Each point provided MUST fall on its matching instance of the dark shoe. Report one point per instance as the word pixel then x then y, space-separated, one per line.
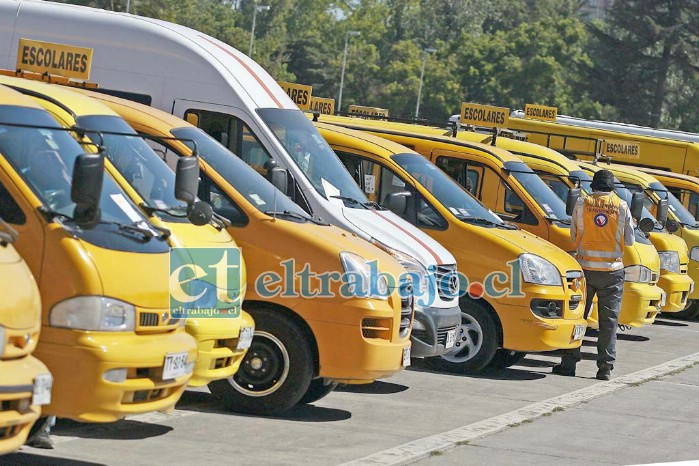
pixel 604 373
pixel 41 440
pixel 562 369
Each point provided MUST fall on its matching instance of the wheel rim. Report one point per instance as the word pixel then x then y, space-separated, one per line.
pixel 469 341
pixel 265 367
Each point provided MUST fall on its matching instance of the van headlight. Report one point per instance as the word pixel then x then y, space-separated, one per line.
pixel 373 285
pixel 638 274
pixel 94 313
pixel 415 268
pixel 669 261
pixel 2 340
pixel 539 271
pixel 694 253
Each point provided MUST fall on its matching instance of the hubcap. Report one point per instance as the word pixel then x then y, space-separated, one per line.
pixel 265 367
pixel 469 341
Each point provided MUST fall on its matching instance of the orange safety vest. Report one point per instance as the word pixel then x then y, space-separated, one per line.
pixel 600 231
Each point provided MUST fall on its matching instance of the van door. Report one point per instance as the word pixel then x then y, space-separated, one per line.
pixel 17 212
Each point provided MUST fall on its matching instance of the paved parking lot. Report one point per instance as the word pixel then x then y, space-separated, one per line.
pixel 522 415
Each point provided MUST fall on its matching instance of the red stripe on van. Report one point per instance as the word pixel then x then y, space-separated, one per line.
pixel 420 242
pixel 252 73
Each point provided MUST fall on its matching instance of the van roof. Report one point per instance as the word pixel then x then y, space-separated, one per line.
pixel 151 44
pixel 677 176
pixel 385 147
pixel 79 104
pixel 10 97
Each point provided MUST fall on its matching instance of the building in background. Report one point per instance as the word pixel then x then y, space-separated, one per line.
pixel 595 9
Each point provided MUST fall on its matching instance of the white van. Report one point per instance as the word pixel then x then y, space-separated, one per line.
pixel 223 91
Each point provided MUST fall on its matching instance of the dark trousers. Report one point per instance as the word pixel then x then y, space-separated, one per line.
pixel 609 288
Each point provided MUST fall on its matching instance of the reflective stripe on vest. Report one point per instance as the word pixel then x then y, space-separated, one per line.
pixel 602 217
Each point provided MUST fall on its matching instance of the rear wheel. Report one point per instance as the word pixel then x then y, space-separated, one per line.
pixel 276 371
pixel 475 344
pixel 504 358
pixel 319 388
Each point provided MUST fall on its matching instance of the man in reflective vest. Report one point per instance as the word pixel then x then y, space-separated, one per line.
pixel 600 227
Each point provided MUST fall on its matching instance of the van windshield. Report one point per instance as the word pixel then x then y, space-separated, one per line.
pixel 246 180
pixel 551 204
pixel 674 204
pixel 450 194
pixel 147 173
pixel 313 155
pixel 583 178
pixel 45 157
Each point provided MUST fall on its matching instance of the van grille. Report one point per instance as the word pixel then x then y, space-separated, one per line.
pixel 683 268
pixel 155 319
pixel 376 328
pixel 407 302
pixel 575 280
pixel 654 277
pixel 443 290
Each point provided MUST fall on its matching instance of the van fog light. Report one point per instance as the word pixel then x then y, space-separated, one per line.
pixel 547 308
pixel 115 375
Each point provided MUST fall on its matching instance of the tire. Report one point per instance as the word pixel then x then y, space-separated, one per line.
pixel 319 388
pixel 277 369
pixel 476 343
pixel 504 358
pixel 689 313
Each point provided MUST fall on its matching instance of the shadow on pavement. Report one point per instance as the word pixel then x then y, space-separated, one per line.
pixel 24 458
pixel 376 388
pixel 120 430
pixel 630 337
pixel 488 373
pixel 669 323
pixel 207 403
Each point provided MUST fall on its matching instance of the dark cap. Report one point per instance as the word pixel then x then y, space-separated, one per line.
pixel 603 181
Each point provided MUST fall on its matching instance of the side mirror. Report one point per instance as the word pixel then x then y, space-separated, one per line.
pixel 279 177
pixel 696 211
pixel 637 206
pixel 397 202
pixel 86 189
pixel 200 213
pixel 672 226
pixel 187 179
pixel 572 199
pixel 662 211
pixel 646 225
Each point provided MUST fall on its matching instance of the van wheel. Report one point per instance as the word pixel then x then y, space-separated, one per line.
pixel 504 358
pixel 276 371
pixel 475 344
pixel 319 388
pixel 689 313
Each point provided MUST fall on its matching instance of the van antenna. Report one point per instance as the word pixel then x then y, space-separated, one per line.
pixel 495 136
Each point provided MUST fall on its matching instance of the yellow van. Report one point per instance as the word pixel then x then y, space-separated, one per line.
pixel 672 249
pixel 25 382
pixel 642 296
pixel 149 183
pixel 103 277
pixel 496 177
pixel 302 346
pixel 543 309
pixel 684 209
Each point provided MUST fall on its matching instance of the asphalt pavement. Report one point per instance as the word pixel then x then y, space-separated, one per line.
pixel 521 415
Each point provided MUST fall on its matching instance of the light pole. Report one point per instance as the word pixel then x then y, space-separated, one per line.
pixel 128 6
pixel 422 74
pixel 252 31
pixel 344 64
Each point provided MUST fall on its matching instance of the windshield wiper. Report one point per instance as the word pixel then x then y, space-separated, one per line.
pixel 478 220
pixel 286 213
pixel 150 210
pixel 374 205
pixel 565 221
pixel 134 227
pixel 351 200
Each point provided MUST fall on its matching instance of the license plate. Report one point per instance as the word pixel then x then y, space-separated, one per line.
pixel 406 356
pixel 245 338
pixel 175 366
pixel 663 297
pixel 578 332
pixel 42 389
pixel 451 338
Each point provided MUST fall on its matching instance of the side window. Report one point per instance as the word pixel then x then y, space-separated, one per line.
pixel 466 175
pixel 234 134
pixel 221 203
pixel 694 204
pixel 9 209
pixel 363 172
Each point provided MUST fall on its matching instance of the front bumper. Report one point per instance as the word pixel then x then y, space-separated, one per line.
pixel 676 286
pixel 217 343
pixel 17 413
pixel 85 395
pixel 437 322
pixel 640 305
pixel 345 354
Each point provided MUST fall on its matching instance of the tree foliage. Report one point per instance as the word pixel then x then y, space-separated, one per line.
pixel 639 65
